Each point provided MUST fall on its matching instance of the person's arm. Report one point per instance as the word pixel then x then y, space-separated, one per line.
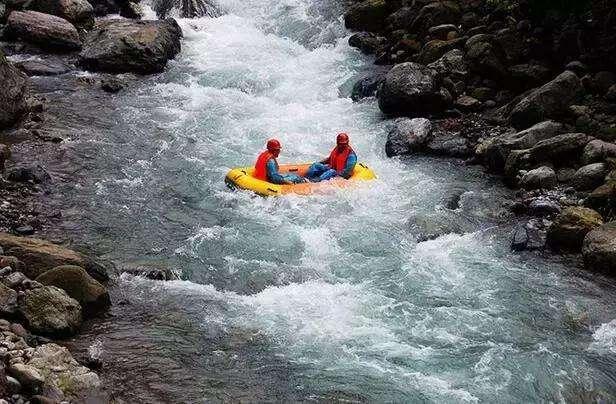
pixel 325 160
pixel 273 175
pixel 350 165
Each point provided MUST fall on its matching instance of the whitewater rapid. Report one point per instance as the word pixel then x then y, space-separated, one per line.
pixel 327 297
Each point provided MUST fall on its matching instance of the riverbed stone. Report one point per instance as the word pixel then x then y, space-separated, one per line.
pixel 599 249
pixel 120 46
pixel 407 136
pixel 569 228
pixel 15 89
pixel 43 67
pixel 367 15
pixel 78 12
pixel 47 31
pixel 76 282
pixel 548 101
pixel 539 178
pixel 51 312
pixel 598 150
pixel 589 177
pixel 28 376
pixel 411 89
pixel 367 42
pixel 562 149
pixel 452 64
pixel 8 301
pixel 40 256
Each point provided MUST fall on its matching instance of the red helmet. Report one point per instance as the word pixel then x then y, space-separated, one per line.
pixel 342 138
pixel 273 144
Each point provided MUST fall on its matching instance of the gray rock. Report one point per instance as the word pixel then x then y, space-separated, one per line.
pixel 599 249
pixel 484 58
pixel 548 101
pixel 131 46
pixel 8 301
pixel 543 207
pixel 42 67
pixel 451 64
pixel 519 240
pixel 525 76
pixel 611 94
pixel 407 136
pixel 449 144
pixel 15 89
pixel 577 67
pixel 561 148
pixel 112 85
pixel 45 30
pixel 367 15
pixel 14 279
pixel 367 42
pixel 77 12
pixel 565 175
pixel 441 31
pixel 467 103
pixel 28 173
pixel 28 376
pixel 589 177
pixel 413 90
pixel 13 385
pixel 598 150
pixel 367 86
pixel 51 312
pixel 539 178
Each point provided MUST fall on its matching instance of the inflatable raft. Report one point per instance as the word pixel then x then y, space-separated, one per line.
pixel 242 178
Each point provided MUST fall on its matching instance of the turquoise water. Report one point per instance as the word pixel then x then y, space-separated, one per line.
pixel 317 298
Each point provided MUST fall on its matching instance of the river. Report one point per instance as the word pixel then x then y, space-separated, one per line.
pixel 319 298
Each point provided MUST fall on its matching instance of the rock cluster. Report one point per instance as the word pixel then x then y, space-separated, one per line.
pixel 511 91
pixel 52 305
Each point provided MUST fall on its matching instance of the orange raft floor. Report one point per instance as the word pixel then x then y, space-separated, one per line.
pixel 242 178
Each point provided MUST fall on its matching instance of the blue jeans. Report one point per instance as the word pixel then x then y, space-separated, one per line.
pixel 294 178
pixel 320 172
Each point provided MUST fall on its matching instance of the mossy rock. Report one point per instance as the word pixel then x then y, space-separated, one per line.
pixel 568 230
pixel 76 282
pixel 51 312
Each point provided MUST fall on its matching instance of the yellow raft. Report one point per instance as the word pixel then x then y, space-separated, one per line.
pixel 242 178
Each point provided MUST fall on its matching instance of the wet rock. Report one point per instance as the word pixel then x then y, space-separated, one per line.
pixel 76 282
pixel 367 42
pixel 25 230
pixel 603 81
pixel 543 207
pixel 569 228
pixel 589 177
pixel 549 101
pixel 40 256
pixel 467 103
pixel 368 15
pixel 442 31
pixel 150 272
pixel 112 85
pixel 407 136
pixel 452 64
pixel 78 12
pixel 565 175
pixel 448 144
pixel 63 374
pixel 367 86
pixel 436 13
pixel 432 226
pixel 45 30
pixel 561 148
pixel 577 67
pixel 13 386
pixel 435 49
pixel 603 199
pixel 15 88
pixel 131 46
pixel 13 262
pixel 14 279
pixel 519 240
pixel 529 237
pixel 28 376
pixel 42 67
pixel 484 59
pixel 526 76
pixel 539 178
pixel 599 249
pixel 413 90
pixel 51 312
pixel 598 150
pixel 24 173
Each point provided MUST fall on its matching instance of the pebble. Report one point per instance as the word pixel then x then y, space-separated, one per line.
pixel 25 230
pixel 13 280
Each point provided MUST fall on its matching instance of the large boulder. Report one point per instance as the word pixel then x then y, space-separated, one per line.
pixel 435 49
pixel 76 282
pixel 65 376
pixel 367 86
pixel 368 15
pixel 589 177
pixel 131 46
pixel 51 312
pixel 569 228
pixel 485 58
pixel 548 101
pixel 407 136
pixel 41 256
pixel 367 42
pixel 599 249
pixel 561 149
pixel 28 376
pixel 45 30
pixel 15 86
pixel 539 178
pixel 452 64
pixel 412 89
pixel 436 13
pixel 496 151
pixel 597 151
pixel 78 12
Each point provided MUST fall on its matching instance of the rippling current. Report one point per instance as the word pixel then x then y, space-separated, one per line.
pixel 318 298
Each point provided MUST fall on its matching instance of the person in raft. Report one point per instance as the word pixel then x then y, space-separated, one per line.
pixel 266 167
pixel 340 162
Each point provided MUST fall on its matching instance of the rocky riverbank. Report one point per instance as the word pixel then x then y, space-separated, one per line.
pixel 46 290
pixel 526 89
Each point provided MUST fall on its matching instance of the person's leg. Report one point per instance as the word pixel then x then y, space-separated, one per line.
pixel 328 175
pixel 315 170
pixel 294 178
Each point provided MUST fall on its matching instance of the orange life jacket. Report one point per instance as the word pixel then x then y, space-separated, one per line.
pixel 337 160
pixel 261 165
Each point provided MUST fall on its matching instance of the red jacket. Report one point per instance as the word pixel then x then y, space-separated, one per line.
pixel 261 165
pixel 337 160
